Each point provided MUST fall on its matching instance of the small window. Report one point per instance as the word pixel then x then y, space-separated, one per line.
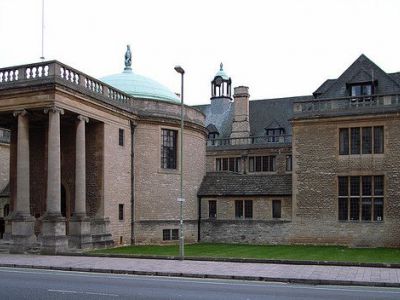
pixel 364 89
pixel 170 234
pixel 288 163
pixel 212 209
pixel 276 209
pixel 120 212
pixel 121 137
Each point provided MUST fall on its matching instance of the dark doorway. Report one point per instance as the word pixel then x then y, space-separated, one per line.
pixel 63 202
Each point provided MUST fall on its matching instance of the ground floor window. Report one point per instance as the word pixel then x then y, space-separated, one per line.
pixel 170 234
pixel 244 208
pixel 212 209
pixel 276 209
pixel 360 198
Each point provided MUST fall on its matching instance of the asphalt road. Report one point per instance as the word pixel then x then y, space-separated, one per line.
pixel 46 284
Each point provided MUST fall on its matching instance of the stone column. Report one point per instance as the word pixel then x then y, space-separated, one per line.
pixel 53 235
pixel 22 223
pixel 79 234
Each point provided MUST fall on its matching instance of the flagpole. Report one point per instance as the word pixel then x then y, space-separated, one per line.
pixel 42 57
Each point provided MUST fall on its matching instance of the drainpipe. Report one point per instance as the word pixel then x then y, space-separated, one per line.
pixel 199 219
pixel 132 183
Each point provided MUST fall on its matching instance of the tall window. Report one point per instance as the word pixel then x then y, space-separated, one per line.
pixel 227 164
pixel 361 140
pixel 121 137
pixel 360 198
pixel 288 163
pixel 244 208
pixel 168 148
pixel 262 163
pixel 212 209
pixel 120 212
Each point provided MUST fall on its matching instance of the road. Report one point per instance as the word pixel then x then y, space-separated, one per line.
pixel 46 284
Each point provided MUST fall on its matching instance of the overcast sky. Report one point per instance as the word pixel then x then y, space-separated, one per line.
pixel 277 48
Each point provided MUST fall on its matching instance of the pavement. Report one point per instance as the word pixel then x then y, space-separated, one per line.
pixel 304 274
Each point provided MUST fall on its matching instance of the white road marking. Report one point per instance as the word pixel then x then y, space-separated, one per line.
pixel 87 293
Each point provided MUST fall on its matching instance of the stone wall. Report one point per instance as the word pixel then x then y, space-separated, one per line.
pixel 157 189
pixel 317 165
pixel 4 165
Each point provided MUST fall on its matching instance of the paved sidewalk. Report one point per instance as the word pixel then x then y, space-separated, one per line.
pixel 309 274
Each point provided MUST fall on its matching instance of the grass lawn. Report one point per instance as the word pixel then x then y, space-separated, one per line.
pixel 321 253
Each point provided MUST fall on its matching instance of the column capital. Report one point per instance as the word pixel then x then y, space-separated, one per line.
pixel 21 112
pixel 54 109
pixel 83 118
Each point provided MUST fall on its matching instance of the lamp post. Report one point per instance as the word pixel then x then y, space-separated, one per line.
pixel 181 71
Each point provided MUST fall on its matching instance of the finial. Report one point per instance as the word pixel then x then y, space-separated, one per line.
pixel 221 67
pixel 128 58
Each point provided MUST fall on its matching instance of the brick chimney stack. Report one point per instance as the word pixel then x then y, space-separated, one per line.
pixel 241 125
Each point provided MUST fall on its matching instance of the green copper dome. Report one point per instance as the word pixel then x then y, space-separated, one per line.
pixel 139 86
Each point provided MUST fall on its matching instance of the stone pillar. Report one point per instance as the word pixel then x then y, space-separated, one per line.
pixel 22 222
pixel 53 235
pixel 79 226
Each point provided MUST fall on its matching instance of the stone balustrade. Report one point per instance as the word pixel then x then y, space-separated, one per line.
pixel 346 105
pixel 253 140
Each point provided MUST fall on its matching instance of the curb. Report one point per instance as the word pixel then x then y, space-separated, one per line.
pixel 212 276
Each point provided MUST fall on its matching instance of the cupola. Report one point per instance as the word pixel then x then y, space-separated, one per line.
pixel 221 85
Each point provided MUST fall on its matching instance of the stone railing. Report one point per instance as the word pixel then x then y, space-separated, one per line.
pixel 347 105
pixel 5 136
pixel 254 140
pixel 54 70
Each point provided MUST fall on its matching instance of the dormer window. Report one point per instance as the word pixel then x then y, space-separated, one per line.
pixel 274 135
pixel 362 89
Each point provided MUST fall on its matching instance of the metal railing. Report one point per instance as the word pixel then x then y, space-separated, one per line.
pixel 346 104
pixel 253 140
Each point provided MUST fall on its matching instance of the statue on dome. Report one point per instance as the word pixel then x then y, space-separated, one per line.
pixel 128 57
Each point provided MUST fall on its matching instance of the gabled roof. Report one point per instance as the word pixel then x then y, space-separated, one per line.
pixel 233 184
pixel 362 70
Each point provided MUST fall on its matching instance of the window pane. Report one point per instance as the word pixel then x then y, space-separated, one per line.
pixel 288 163
pixel 366 209
pixel 265 160
pixel 344 141
pixel 276 209
pixel 251 164
pixel 378 209
pixel 218 164
pixel 354 209
pixel 272 164
pixel 238 164
pixel 378 185
pixel 378 139
pixel 212 209
pixel 175 234
pixel 232 164
pixel 343 209
pixel 258 163
pixel 225 164
pixel 355 140
pixel 248 209
pixel 367 140
pixel 168 149
pixel 239 209
pixel 366 185
pixel 355 186
pixel 166 235
pixel 343 186
pixel 356 90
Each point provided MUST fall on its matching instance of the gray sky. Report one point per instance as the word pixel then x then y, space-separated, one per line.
pixel 277 48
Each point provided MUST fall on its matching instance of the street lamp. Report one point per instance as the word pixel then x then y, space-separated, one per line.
pixel 181 71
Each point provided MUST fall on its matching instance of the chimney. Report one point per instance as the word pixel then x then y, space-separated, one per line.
pixel 240 125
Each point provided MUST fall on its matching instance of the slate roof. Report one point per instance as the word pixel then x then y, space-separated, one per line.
pixel 362 70
pixel 233 184
pixel 6 191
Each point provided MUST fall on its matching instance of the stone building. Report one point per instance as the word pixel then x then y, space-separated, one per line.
pixel 320 169
pixel 95 163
